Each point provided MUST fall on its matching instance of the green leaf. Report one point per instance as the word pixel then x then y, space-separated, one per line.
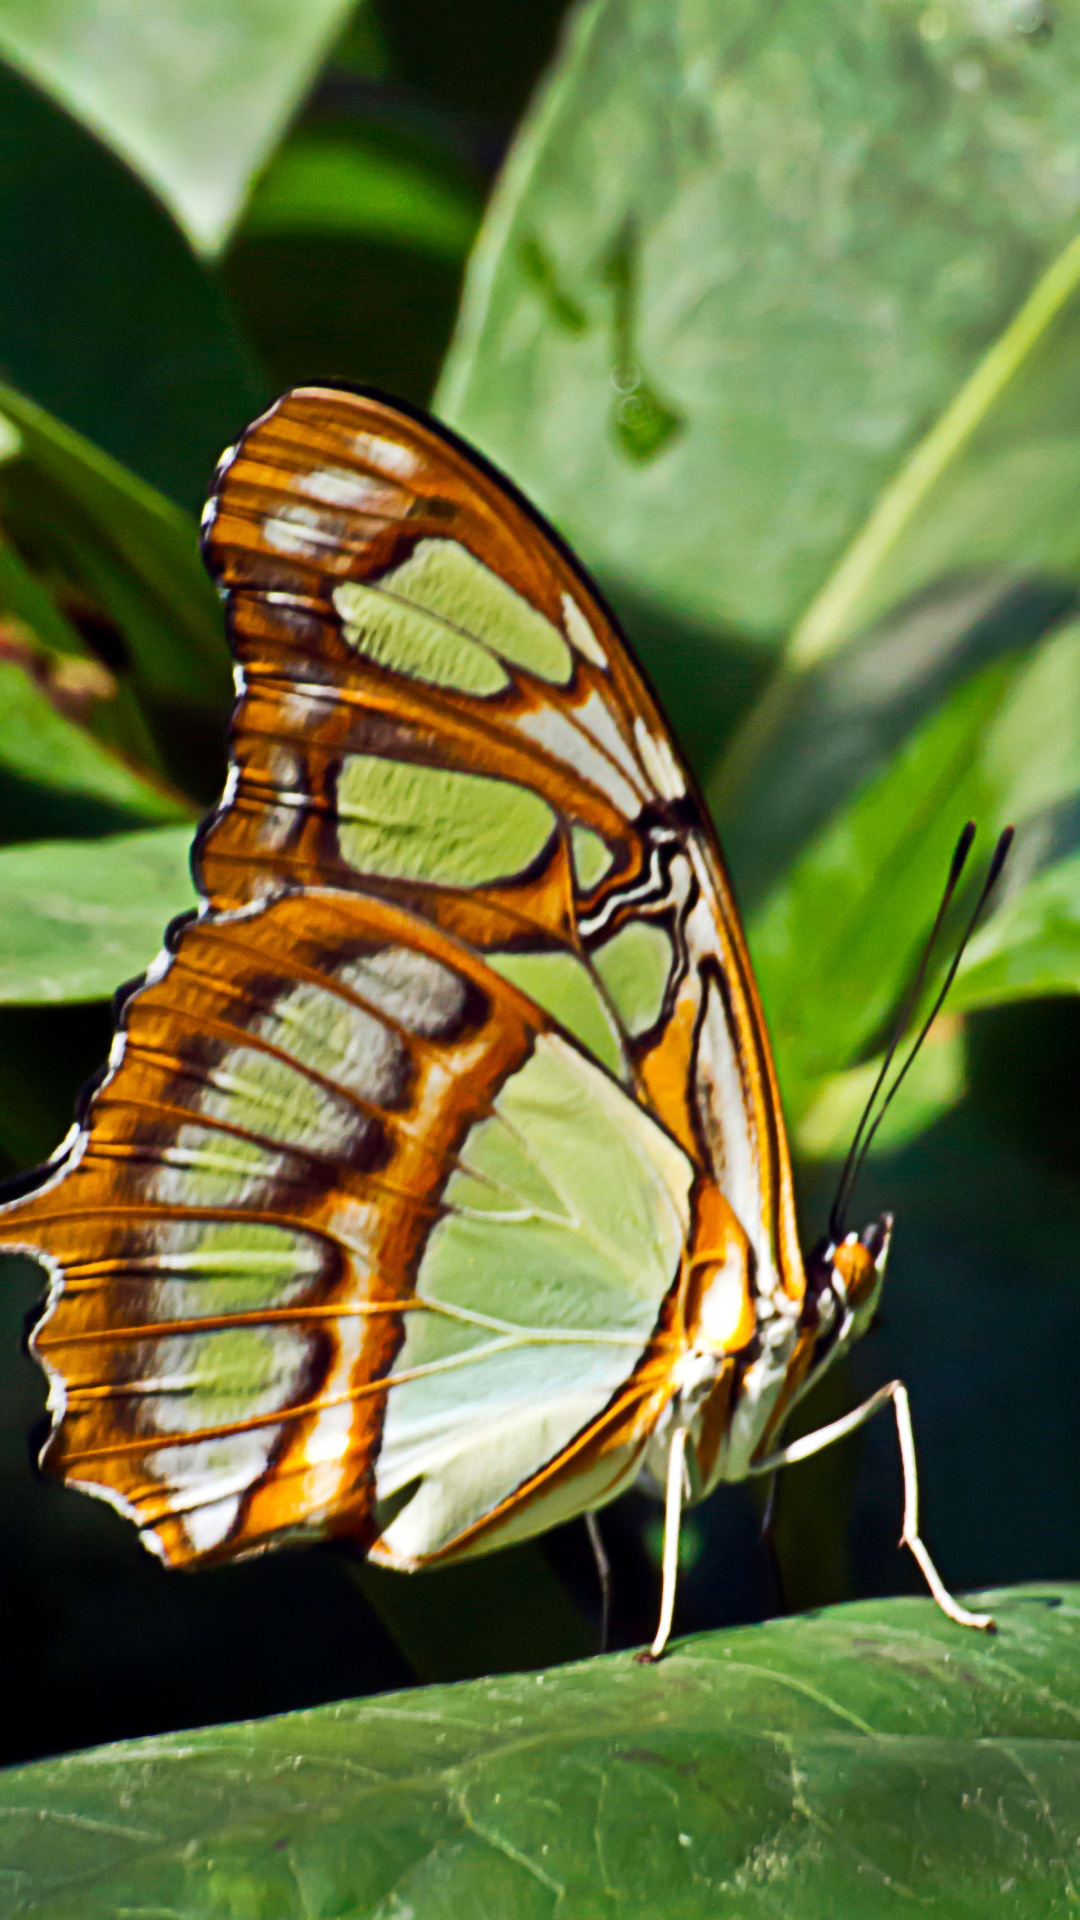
pixel 109 321
pixel 330 183
pixel 134 552
pixel 192 94
pixel 937 1081
pixel 76 919
pixel 1031 947
pixel 835 939
pixel 55 776
pixel 739 263
pixel 842 1764
pixel 822 732
pixel 995 481
pixel 22 594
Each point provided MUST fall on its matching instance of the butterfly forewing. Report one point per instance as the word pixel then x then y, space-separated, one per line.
pixel 438 708
pixel 393 1212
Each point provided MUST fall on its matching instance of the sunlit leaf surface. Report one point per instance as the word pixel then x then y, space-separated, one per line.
pixel 743 259
pixel 836 938
pixel 993 483
pixel 1031 948
pixel 825 1128
pixel 825 732
pixel 192 93
pixel 846 1764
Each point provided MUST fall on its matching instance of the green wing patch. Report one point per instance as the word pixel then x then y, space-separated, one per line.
pixel 445 618
pixel 635 967
pixel 426 823
pixel 560 984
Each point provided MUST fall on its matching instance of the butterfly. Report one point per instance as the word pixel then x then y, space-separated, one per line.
pixel 437 1186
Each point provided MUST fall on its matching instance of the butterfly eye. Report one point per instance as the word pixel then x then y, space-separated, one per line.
pixel 876 1238
pixel 855 1272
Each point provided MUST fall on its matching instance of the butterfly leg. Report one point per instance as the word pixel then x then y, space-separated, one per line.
pixel 768 1538
pixel 603 1574
pixel 673 1503
pixel 896 1392
pixel 768 1512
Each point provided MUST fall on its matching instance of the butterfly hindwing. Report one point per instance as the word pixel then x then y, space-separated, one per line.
pixel 331 1229
pixel 254 1188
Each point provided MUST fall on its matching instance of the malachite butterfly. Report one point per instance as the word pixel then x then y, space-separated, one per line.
pixel 437 1185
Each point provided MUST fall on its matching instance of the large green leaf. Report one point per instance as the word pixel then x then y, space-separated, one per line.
pixel 192 93
pixel 848 1764
pixel 835 939
pixel 973 549
pixel 109 321
pixel 1030 948
pixel 825 730
pixel 76 920
pixel 741 261
pixel 994 483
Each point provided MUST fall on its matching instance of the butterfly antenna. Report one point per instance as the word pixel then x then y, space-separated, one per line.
pixel 996 864
pixel 1001 852
pixel 854 1158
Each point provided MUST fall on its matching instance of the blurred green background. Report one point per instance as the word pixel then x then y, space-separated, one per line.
pixel 773 308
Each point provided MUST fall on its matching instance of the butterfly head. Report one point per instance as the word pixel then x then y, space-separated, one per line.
pixel 843 1286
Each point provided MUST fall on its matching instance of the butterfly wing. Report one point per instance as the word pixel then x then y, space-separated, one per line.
pixel 437 708
pixel 318 1239
pixel 390 1212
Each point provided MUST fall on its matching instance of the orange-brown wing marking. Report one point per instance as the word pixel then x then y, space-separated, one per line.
pixel 331 490
pixel 235 1238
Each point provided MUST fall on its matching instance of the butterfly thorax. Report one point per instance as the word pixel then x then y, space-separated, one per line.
pixel 749 1356
pixel 843 1286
